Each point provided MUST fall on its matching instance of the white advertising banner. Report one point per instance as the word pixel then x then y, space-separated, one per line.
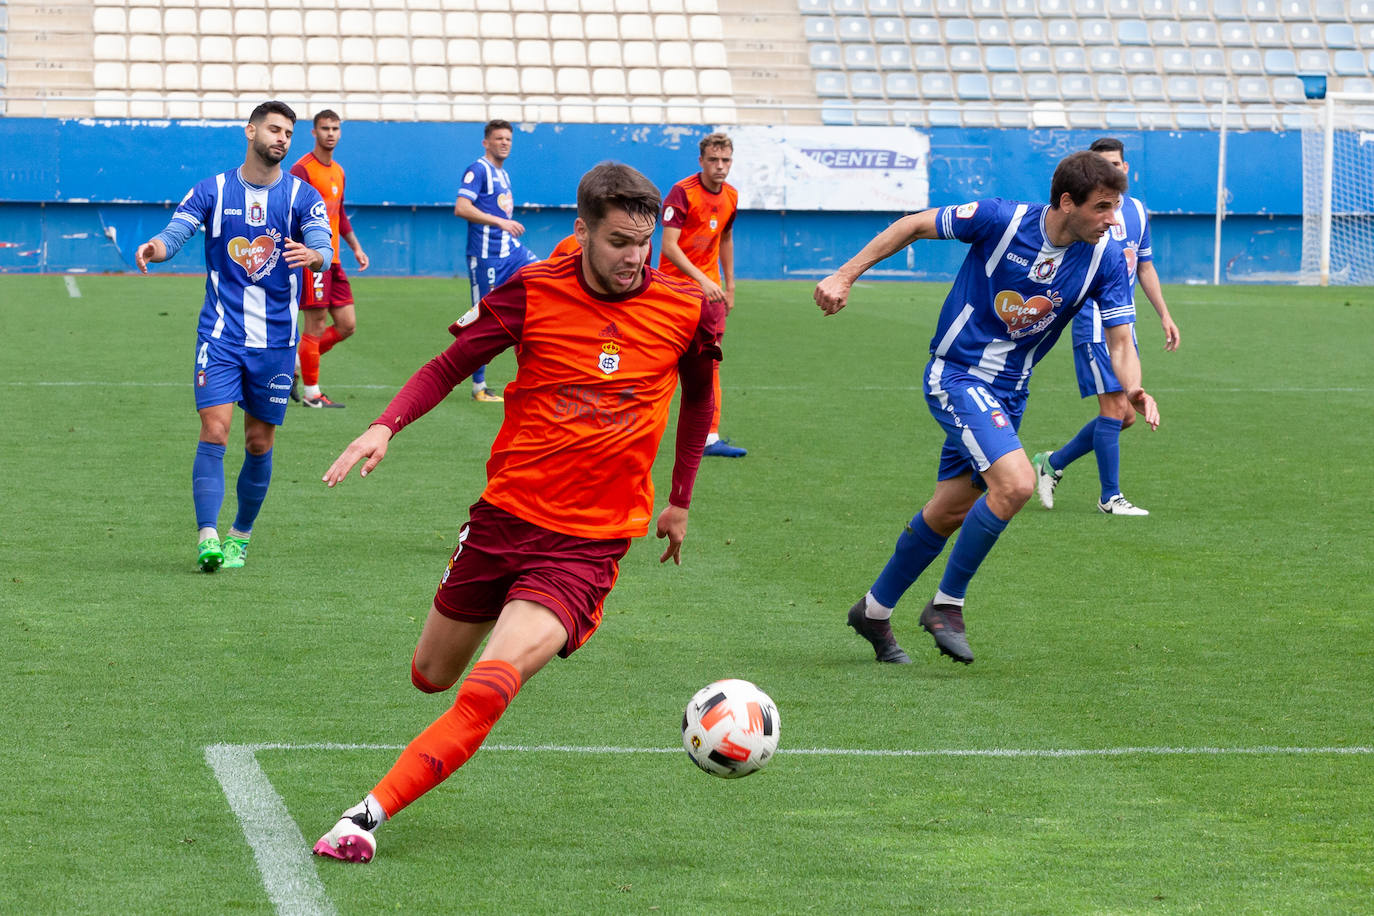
pixel 831 168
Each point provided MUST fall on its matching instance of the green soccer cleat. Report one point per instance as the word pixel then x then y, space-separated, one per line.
pixel 210 556
pixel 235 552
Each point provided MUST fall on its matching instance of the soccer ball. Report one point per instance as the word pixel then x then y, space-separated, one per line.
pixel 730 728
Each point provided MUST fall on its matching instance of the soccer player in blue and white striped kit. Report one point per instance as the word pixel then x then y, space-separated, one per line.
pixel 1029 269
pixel 261 228
pixel 1093 363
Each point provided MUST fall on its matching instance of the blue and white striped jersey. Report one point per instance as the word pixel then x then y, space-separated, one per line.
pixel 251 294
pixel 1015 291
pixel 489 189
pixel 1132 234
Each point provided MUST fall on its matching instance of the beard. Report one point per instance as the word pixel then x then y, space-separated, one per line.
pixel 267 154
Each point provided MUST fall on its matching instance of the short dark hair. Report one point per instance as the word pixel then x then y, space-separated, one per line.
pixel 494 125
pixel 273 107
pixel 716 139
pixel 1108 145
pixel 328 114
pixel 1079 174
pixel 614 184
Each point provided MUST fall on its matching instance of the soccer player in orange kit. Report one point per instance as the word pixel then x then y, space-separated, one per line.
pixel 602 341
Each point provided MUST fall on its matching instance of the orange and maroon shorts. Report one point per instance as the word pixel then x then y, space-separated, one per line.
pixel 500 558
pixel 326 289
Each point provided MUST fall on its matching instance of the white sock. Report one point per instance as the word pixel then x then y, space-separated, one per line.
pixel 478 386
pixel 312 391
pixel 241 535
pixel 942 598
pixel 712 438
pixel 208 533
pixel 875 611
pixel 370 807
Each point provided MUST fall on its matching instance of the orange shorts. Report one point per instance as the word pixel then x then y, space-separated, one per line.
pixel 327 288
pixel 501 557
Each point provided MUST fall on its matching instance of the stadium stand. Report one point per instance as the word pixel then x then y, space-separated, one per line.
pixel 1150 63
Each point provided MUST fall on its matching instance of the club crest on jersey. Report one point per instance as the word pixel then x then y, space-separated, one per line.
pixel 668 213
pixel 469 316
pixel 257 214
pixel 608 360
pixel 998 419
pixel 714 223
pixel 257 257
pixel 1045 267
pixel 1022 316
pixel 1119 229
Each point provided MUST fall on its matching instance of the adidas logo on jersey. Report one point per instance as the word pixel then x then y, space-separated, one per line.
pixel 611 331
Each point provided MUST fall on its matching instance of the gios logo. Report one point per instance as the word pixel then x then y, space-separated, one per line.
pixel 1024 317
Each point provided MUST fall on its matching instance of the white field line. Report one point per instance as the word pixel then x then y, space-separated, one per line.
pixel 798 388
pixel 73 291
pixel 293 885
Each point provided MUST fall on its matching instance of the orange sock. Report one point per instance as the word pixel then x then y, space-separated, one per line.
pixel 328 339
pixel 452 738
pixel 308 352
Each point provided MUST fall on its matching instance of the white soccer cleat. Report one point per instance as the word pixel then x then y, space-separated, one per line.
pixel 1120 505
pixel 351 839
pixel 1046 479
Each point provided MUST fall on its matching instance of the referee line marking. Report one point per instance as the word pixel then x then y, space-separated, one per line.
pixel 287 867
pixel 800 388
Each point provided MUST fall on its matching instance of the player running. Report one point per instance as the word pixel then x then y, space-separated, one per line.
pixel 602 341
pixel 261 227
pixel 1093 363
pixel 1028 270
pixel 327 293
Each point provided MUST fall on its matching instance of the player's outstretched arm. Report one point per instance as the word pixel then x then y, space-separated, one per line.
pixel 152 251
pixel 832 293
pixel 1126 368
pixel 672 524
pixel 371 445
pixel 1148 278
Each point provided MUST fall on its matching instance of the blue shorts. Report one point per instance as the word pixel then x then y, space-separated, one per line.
pixel 980 427
pixel 1092 362
pixel 486 274
pixel 257 379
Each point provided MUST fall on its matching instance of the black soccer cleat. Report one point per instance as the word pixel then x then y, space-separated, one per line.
pixel 879 633
pixel 946 623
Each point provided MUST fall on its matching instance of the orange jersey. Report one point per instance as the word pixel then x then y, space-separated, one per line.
pixel 589 403
pixel 703 218
pixel 568 246
pixel 329 181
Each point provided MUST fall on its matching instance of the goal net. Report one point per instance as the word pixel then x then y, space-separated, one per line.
pixel 1338 192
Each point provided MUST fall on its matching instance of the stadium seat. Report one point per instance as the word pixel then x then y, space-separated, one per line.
pixel 183 22
pixel 1253 89
pixel 572 81
pixel 636 27
pixel 392 50
pixel 974 87
pixel 1070 59
pixel 831 85
pixel 922 8
pixel 353 22
pixel 1270 35
pixel 865 85
pixel 1305 35
pixel 425 23
pixel 1199 33
pixel 1288 89
pixel 1280 62
pixel 1086 8
pixel 1246 61
pixel 937 86
pixel 1105 58
pixel 252 78
pixel 1228 9
pixel 1175 60
pixel 109 20
pixel 1236 35
pixel 947 8
pixel 1161 9
pixel 993 31
pixel 1042 86
pixel 250 49
pixel 427 51
pixel 1193 116
pixel 682 110
pixel 705 28
pixel 930 57
pixel 283 49
pixel 460 23
pixel 670 27
pixel 1020 8
pixel 960 31
pixel 145 20
pixel 1340 35
pixel 1349 63
pixel 285 77
pixel 872 113
pixel 807 7
pixel 643 81
pixel 854 28
pixel 889 29
pixel 999 58
pixel 358 50
pixel 495 25
pixel 1138 60
pixel 981 8
pixel 639 54
pixel 1095 31
pixel 217 75
pixel 109 47
pixel 678 54
pixel 1054 7
pixel 1113 87
pixel 944 114
pixel 715 82
pixel 216 49
pixel 569 54
pixel 565 26
pixel 1030 31
pixel 1261 9
pixel 819 28
pixel 250 23
pixel 465 80
pixel 837 113
pixel 680 81
pixel 1209 60
pixel 110 75
pixel 1215 88
pixel 1007 86
pixel 531 53
pixel 1034 58
pixel 537 81
pixel 604 54
pixel 705 55
pixel 1075 86
pixel 965 57
pixel 1147 88
pixel 498 53
pixel 608 81
pixel 1182 88
pixel 1330 10
pixel 506 80
pixel 894 57
pixel 1062 31
pixel 883 7
pixel 860 57
pixel 901 86
pixel 1133 32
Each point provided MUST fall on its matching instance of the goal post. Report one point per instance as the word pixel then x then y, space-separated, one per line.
pixel 1338 191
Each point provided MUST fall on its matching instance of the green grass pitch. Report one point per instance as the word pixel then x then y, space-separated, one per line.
pixel 1184 701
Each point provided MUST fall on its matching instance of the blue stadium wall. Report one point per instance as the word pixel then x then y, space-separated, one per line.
pixel 81 194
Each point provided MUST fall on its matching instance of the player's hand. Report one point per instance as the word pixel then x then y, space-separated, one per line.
pixel 1171 335
pixel 672 524
pixel 729 301
pixel 514 227
pixel 712 290
pixel 832 293
pixel 297 255
pixel 1145 406
pixel 370 445
pixel 150 252
pixel 361 257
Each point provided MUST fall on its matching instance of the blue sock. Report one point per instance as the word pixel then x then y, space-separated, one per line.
pixel 479 378
pixel 254 477
pixel 207 483
pixel 1075 448
pixel 916 547
pixel 980 531
pixel 1107 444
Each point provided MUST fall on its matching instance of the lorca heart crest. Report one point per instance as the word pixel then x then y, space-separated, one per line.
pixel 255 255
pixel 1025 316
